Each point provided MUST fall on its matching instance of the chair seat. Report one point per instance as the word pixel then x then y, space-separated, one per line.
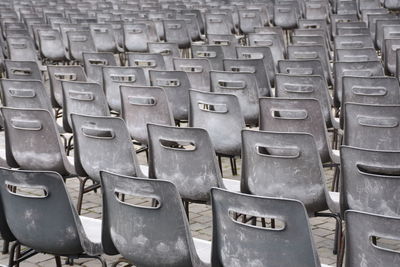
pixel 333 202
pixel 203 249
pixel 232 185
pixel 92 228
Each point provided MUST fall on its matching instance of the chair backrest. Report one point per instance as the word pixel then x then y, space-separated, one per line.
pixel 293 164
pixel 35 219
pixel 248 19
pixel 79 42
pixel 169 51
pixel 197 70
pixel 385 27
pixel 214 53
pixel 33 141
pixel 58 74
pixel 286 14
pixel 255 66
pixel 50 45
pixel 136 37
pixel 217 24
pixel 221 116
pixel 186 146
pixel 172 238
pixel 365 69
pixel 114 77
pixel 146 61
pixel 391 4
pixel 141 105
pixel 21 48
pixel 362 229
pixel 289 242
pixel 103 37
pixel 271 40
pixel 244 86
pixel 370 179
pixel 353 42
pixel 93 64
pixel 22 70
pixel 372 126
pixel 228 42
pixel 103 143
pixel 296 115
pixel 304 86
pixel 82 98
pixel 24 94
pixel 356 54
pixel 259 52
pixel 176 85
pixel 389 54
pixel 177 32
pixel 301 67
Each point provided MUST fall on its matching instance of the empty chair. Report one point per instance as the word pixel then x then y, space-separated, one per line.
pixel 221 116
pixel 175 245
pixel 372 126
pixel 141 105
pixel 177 32
pixel 391 4
pixel 228 42
pixel 286 14
pixel 259 52
pixel 136 36
pixel 21 48
pixel 82 98
pixel 50 45
pixel 305 86
pixel 389 54
pixel 217 24
pixel 146 61
pixel 244 86
pixel 176 85
pixel 186 145
pixel 79 42
pixel 297 115
pixel 271 40
pixel 365 68
pixel 167 50
pixel 386 29
pixel 67 235
pixel 362 231
pixel 248 19
pixel 57 74
pixel 94 62
pixel 22 70
pixel 214 53
pixel 103 37
pixel 197 70
pixel 114 77
pixel 283 245
pixel 255 66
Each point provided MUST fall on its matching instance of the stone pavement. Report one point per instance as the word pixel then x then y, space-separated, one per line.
pixel 200 223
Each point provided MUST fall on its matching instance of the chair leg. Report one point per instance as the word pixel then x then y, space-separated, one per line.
pixel 58 261
pixel 103 262
pixel 6 245
pixel 340 255
pixel 12 254
pixel 82 183
pixel 233 165
pixel 186 206
pixel 338 230
pixel 220 165
pixel 115 264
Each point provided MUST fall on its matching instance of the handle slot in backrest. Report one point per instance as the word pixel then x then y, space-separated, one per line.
pixel 97 133
pixel 181 145
pixel 369 91
pixel 174 26
pixel 212 107
pixel 100 30
pixel 379 122
pixel 165 52
pixel 354 44
pixel 248 15
pixel 22 93
pixel 252 55
pixel 231 85
pixel 378 170
pixel 206 54
pixel 215 20
pixel 277 152
pixel 298 88
pixel 267 223
pixel 78 38
pixel 142 101
pixel 305 55
pixel 137 200
pixel 119 78
pixel 19 45
pixel 394 47
pixel 289 114
pixel 264 43
pixel 81 96
pixel 101 62
pixel 65 76
pixel 26 125
pixel 251 69
pixel 197 69
pixel 386 244
pixel 168 82
pixel 356 57
pixel 21 71
pixel 362 73
pixel 135 31
pixel 145 63
pixel 47 37
pixel 27 191
pixel 300 71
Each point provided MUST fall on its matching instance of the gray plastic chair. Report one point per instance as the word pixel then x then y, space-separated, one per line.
pixel 146 61
pixel 58 74
pixel 21 48
pixel 79 42
pixel 362 231
pixel 271 40
pixel 197 70
pixel 356 54
pixel 170 245
pixel 217 24
pixel 305 86
pixel 114 77
pixel 221 116
pixel 389 54
pixel 94 62
pixel 82 98
pixel 244 86
pixel 50 45
pixel 185 146
pixel 239 244
pixel 169 51
pixel 297 115
pixel 365 69
pixel 136 36
pixel 259 52
pixel 36 223
pixel 103 37
pixel 372 126
pixel 22 70
pixel 301 67
pixel 386 29
pixel 214 53
pixel 255 66
pixel 228 42
pixel 369 180
pixel 353 42
pixel 286 14
pixel 248 19
pixel 176 32
pixel 141 105
pixel 176 85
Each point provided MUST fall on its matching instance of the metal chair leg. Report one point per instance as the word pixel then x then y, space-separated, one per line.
pixel 58 261
pixel 6 245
